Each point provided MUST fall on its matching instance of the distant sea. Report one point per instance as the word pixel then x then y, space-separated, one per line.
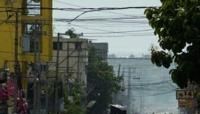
pixel 151 88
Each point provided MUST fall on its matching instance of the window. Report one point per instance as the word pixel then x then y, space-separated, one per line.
pixel 78 45
pixel 32 38
pixel 57 45
pixel 33 7
pixel 32 28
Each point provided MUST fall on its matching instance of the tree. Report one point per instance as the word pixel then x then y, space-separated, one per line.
pixel 101 83
pixel 74 106
pixel 176 22
pixel 71 33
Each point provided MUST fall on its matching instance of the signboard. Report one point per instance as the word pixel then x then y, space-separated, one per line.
pixel 186 103
pixel 185 94
pixel 186 98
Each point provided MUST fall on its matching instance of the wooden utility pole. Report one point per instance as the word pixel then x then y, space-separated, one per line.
pixel 16 64
pixel 57 73
pixel 129 91
pixel 68 74
pixel 119 70
pixel 130 95
pixel 16 52
pixel 37 70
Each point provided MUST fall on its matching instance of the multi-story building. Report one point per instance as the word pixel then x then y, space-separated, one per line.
pixel 101 50
pixel 32 28
pixel 25 32
pixel 72 62
pixel 73 58
pixel 25 36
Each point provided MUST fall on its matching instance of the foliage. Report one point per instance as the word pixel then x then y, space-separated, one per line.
pixel 74 106
pixel 177 25
pixel 101 83
pixel 71 34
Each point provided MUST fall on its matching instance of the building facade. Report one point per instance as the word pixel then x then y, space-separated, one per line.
pixel 101 50
pixel 73 58
pixel 26 29
pixel 25 39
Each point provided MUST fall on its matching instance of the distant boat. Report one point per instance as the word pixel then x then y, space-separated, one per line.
pixel 131 57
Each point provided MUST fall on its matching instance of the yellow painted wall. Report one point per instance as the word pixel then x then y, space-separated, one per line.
pixel 7 33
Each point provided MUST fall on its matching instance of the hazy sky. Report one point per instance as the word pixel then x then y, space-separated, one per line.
pixel 125 36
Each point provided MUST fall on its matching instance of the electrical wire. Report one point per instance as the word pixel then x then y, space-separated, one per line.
pixel 152 84
pixel 162 93
pixel 66 3
pixel 74 5
pixel 98 19
pixel 102 30
pixel 117 36
pixel 115 32
pixel 82 9
pixel 135 19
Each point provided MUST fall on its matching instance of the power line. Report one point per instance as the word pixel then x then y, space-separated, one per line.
pixel 154 83
pixel 133 31
pixel 81 9
pixel 70 4
pixel 117 36
pixel 90 28
pixel 66 3
pixel 99 19
pixel 87 20
pixel 108 31
pixel 163 93
pixel 125 26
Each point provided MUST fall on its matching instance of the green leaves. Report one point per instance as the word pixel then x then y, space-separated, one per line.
pixel 177 24
pixel 161 58
pixel 74 106
pixel 103 82
pixel 179 78
pixel 71 34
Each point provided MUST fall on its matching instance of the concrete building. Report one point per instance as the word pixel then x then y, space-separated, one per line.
pixel 73 59
pixel 101 50
pixel 25 28
pixel 25 34
pixel 25 37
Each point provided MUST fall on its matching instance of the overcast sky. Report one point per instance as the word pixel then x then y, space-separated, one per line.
pixel 125 36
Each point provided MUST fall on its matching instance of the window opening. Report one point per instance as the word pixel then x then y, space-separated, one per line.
pixel 33 7
pixel 57 46
pixel 32 38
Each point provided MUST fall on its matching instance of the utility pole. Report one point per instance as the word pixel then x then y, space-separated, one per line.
pixel 57 73
pixel 116 95
pixel 119 70
pixel 78 65
pixel 141 100
pixel 17 77
pixel 17 65
pixel 130 89
pixel 68 74
pixel 37 70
